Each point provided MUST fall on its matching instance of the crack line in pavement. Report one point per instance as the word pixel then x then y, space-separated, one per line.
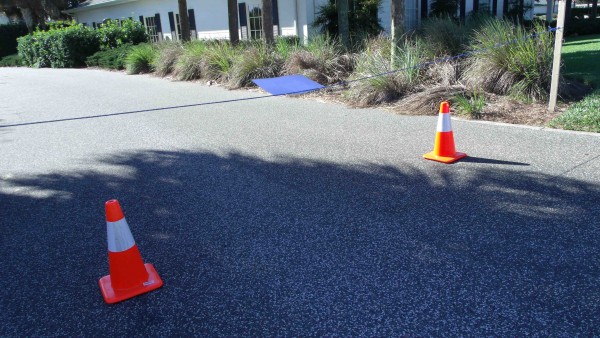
pixel 577 166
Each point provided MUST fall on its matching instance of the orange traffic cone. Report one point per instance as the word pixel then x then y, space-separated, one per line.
pixel 443 150
pixel 129 276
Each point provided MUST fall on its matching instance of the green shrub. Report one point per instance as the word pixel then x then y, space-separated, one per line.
pixel 322 59
pixel 113 34
pixel 583 27
pixel 110 59
pixel 140 59
pixel 255 62
pixel 190 64
pixel 59 48
pixel 362 17
pixel 67 44
pixel 10 61
pixel 444 8
pixel 60 24
pixel 8 38
pixel 520 67
pixel 167 54
pixel 583 115
pixel 581 12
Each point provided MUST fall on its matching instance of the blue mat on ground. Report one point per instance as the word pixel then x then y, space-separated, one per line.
pixel 290 84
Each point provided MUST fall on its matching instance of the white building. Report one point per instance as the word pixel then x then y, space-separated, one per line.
pixel 209 18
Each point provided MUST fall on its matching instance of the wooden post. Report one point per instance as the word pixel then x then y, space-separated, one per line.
pixel 560 24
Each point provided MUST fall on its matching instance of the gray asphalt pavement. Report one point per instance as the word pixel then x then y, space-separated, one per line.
pixel 287 216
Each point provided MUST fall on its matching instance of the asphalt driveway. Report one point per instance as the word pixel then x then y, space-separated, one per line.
pixel 286 216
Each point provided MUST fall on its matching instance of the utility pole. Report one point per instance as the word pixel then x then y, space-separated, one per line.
pixel 560 28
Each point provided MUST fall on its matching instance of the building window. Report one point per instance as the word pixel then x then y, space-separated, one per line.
pixel 151 28
pixel 255 18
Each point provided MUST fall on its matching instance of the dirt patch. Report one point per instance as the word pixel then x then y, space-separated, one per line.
pixel 497 108
pixel 504 109
pixel 426 102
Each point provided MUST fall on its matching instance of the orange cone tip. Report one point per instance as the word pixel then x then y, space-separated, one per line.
pixel 129 276
pixel 444 150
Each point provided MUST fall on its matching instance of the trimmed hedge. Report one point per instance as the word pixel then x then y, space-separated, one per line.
pixel 59 48
pixel 10 61
pixel 8 38
pixel 114 34
pixel 111 58
pixel 68 45
pixel 581 26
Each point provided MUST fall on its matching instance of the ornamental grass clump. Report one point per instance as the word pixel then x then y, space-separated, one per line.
pixel 286 46
pixel 140 59
pixel 401 75
pixel 444 36
pixel 323 60
pixel 257 61
pixel 218 60
pixel 168 53
pixel 190 64
pixel 510 60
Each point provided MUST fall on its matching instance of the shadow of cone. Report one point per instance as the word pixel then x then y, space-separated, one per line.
pixel 129 276
pixel 444 150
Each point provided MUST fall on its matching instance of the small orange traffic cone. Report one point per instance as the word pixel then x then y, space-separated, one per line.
pixel 444 150
pixel 129 276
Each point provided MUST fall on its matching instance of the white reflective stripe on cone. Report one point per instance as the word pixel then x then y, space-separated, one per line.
pixel 444 122
pixel 119 236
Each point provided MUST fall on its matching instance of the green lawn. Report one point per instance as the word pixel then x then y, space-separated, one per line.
pixel 581 56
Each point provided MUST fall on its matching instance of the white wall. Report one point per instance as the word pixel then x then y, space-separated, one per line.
pixel 295 16
pixel 134 9
pixel 211 16
pixel 288 13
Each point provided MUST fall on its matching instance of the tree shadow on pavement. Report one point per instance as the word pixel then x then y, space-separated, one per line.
pixel 248 247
